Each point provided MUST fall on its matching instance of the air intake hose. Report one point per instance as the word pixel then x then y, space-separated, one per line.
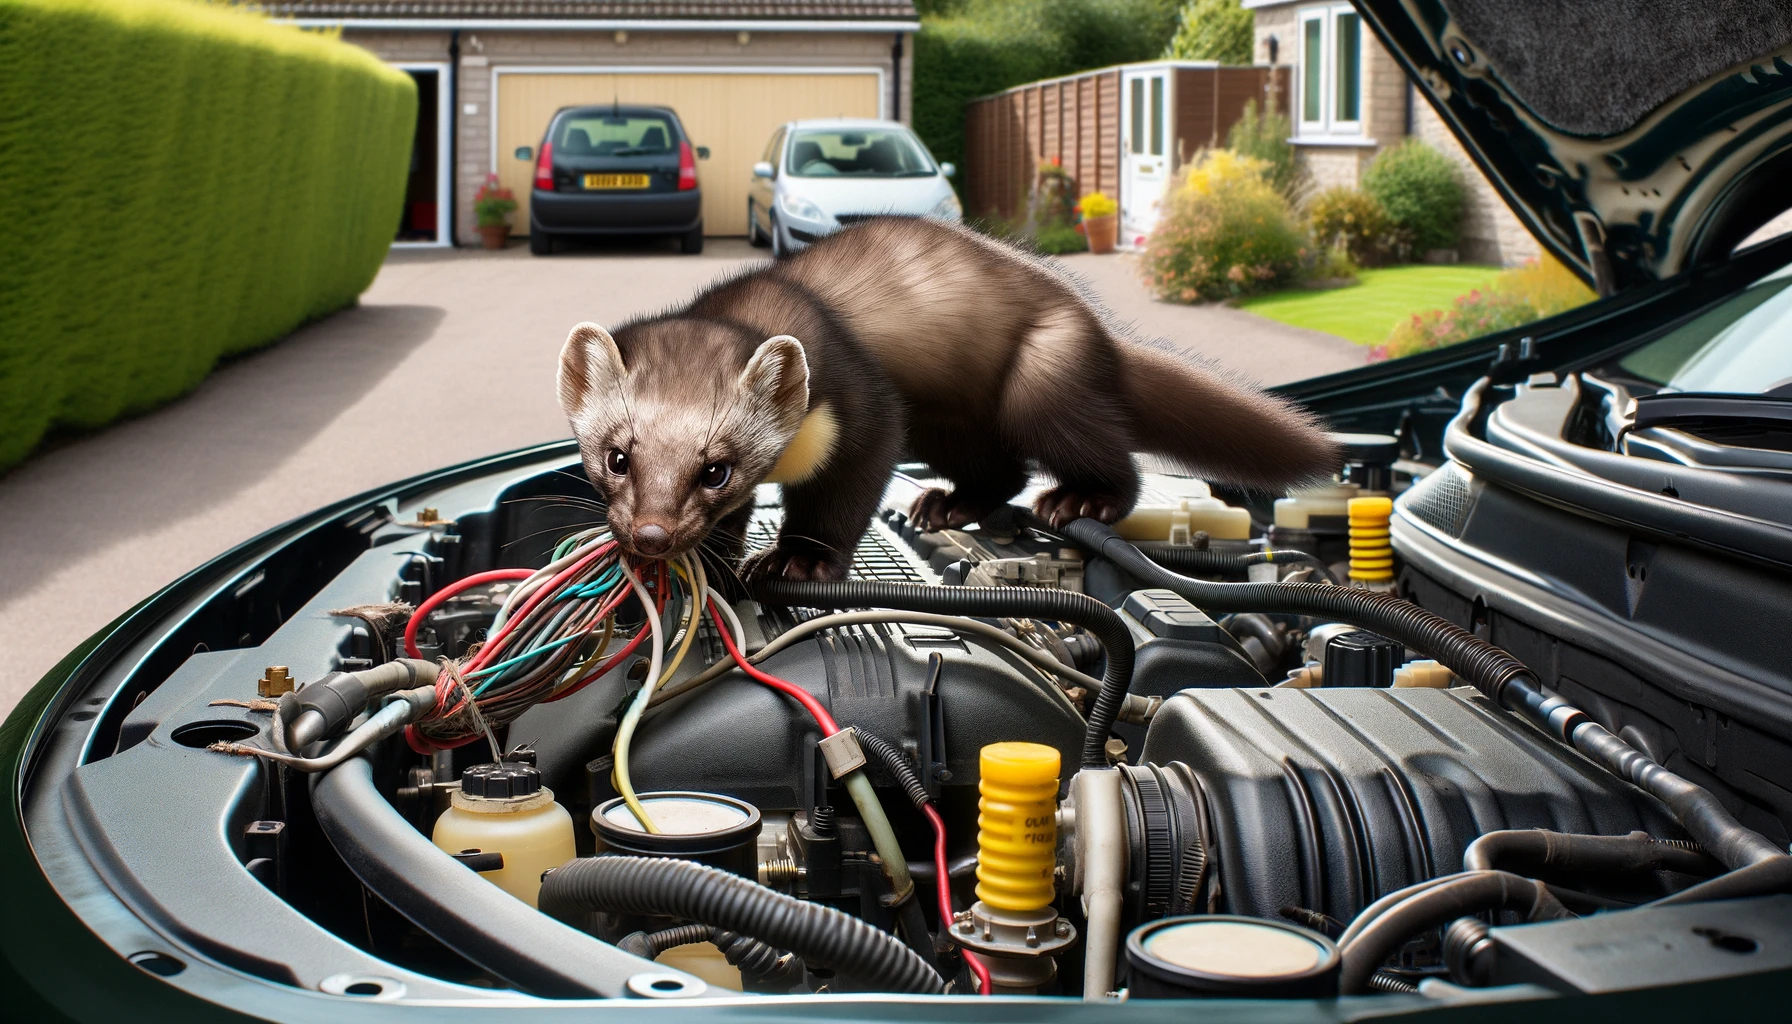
pixel 704 895
pixel 1503 678
pixel 996 602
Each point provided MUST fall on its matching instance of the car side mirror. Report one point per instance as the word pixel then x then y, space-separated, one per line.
pixel 524 152
pixel 763 169
pixel 948 169
pixel 703 152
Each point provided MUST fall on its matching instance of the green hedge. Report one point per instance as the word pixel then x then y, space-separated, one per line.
pixel 182 182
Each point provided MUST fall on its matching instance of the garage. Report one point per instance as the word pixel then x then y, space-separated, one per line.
pixel 731 112
pixel 493 72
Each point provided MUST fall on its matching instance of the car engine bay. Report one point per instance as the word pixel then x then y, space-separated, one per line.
pixel 1231 747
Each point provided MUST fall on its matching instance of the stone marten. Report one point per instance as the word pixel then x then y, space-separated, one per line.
pixel 898 336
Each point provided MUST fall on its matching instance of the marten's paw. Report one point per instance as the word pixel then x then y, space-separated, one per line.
pixel 938 510
pixel 1060 505
pixel 781 563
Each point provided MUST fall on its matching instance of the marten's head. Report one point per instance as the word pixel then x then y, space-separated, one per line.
pixel 675 433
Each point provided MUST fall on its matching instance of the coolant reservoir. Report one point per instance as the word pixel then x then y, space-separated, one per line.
pixel 1192 511
pixel 504 809
pixel 1316 508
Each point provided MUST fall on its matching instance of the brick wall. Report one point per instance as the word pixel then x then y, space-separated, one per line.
pixel 480 50
pixel 1491 233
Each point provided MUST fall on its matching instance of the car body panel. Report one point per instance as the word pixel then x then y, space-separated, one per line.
pixel 1679 188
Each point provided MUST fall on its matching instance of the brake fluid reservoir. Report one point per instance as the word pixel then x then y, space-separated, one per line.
pixel 504 809
pixel 1320 509
pixel 1194 509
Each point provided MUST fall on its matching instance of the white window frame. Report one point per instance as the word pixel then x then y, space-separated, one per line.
pixel 444 176
pixel 1327 125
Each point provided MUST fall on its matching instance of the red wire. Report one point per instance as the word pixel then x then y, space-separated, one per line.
pixel 944 888
pixel 802 696
pixel 553 586
pixel 435 599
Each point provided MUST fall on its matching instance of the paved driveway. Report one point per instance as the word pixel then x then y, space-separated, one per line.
pixel 450 356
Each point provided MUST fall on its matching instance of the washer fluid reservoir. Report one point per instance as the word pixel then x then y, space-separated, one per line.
pixel 504 809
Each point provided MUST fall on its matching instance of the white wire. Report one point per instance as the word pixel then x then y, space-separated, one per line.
pixel 625 730
pixel 544 574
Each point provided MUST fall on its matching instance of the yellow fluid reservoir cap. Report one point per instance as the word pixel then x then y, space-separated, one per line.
pixel 1375 506
pixel 1015 761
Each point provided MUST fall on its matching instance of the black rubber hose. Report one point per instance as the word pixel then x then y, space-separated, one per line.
pixel 997 602
pixel 1499 675
pixel 757 960
pixel 1462 652
pixel 897 764
pixel 652 944
pixel 696 892
pixel 1448 899
pixel 1208 560
pixel 1539 851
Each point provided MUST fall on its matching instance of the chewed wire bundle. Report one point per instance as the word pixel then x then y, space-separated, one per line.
pixel 552 638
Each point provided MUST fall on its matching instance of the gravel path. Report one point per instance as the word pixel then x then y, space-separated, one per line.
pixel 95 524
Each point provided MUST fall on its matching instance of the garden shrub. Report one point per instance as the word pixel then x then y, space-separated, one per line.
pixel 1421 190
pixel 1537 289
pixel 972 48
pixel 1219 30
pixel 1345 218
pixel 1058 238
pixel 1264 134
pixel 1224 232
pixel 184 182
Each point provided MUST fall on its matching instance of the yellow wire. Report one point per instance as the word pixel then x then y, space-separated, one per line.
pixel 625 732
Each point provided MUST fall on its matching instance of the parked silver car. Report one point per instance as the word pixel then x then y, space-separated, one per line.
pixel 817 177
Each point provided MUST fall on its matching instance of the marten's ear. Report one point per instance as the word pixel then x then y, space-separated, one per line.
pixel 777 379
pixel 588 361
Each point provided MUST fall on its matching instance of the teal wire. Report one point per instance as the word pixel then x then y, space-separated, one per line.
pixel 500 666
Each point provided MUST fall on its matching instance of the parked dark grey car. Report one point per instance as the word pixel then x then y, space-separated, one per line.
pixel 615 170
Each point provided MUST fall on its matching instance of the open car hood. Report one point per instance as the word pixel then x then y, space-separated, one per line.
pixel 1635 139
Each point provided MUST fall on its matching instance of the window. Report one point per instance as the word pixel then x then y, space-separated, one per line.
pixel 1157 115
pixel 856 153
pixel 1138 115
pixel 1331 72
pixel 592 134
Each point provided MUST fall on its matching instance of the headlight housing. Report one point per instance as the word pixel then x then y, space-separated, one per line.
pixel 800 208
pixel 948 208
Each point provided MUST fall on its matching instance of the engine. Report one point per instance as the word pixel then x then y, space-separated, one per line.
pixel 1208 752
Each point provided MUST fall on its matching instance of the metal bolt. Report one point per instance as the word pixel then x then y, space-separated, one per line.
pixel 276 680
pixel 1063 928
pixel 1032 936
pixel 429 515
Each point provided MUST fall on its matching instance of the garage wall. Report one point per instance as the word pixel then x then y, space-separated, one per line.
pixel 732 112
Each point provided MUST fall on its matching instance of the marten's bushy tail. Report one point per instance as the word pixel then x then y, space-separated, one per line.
pixel 1220 429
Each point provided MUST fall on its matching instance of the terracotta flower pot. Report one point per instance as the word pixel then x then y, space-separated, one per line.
pixel 1102 232
pixel 496 236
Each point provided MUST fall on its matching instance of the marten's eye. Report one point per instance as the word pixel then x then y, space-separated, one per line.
pixel 617 462
pixel 715 475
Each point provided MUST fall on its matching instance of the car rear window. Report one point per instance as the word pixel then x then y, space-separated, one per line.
pixel 856 153
pixel 614 135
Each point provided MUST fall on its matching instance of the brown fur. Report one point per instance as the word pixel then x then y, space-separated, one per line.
pixel 990 362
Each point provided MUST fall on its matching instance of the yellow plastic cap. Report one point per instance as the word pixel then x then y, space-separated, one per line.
pixel 1019 762
pixel 1375 508
pixel 1017 832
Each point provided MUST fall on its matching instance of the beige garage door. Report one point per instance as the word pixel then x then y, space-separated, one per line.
pixel 732 113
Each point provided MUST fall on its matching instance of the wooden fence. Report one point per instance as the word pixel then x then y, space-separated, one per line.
pixel 1078 120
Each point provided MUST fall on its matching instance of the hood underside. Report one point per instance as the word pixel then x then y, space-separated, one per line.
pixel 1634 138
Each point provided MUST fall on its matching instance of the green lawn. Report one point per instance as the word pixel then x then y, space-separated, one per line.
pixel 1365 312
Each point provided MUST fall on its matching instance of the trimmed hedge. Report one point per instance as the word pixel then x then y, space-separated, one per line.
pixel 183 182
pixel 971 48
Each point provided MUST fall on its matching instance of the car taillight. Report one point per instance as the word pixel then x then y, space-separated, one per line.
pixel 544 167
pixel 687 167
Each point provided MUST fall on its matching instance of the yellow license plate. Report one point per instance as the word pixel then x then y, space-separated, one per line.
pixel 593 181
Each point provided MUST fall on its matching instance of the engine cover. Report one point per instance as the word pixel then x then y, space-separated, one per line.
pixel 1328 799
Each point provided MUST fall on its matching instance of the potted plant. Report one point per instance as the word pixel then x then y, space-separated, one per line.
pixel 493 204
pixel 1100 221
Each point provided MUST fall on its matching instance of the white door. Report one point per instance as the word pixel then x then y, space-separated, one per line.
pixel 1144 153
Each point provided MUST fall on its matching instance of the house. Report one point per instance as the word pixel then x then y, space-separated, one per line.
pixel 490 74
pixel 1350 100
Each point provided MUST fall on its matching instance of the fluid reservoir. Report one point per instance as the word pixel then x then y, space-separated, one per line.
pixel 504 809
pixel 705 827
pixel 1219 955
pixel 1013 924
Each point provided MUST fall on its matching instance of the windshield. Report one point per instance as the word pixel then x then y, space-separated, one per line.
pixel 856 153
pixel 1741 347
pixel 598 134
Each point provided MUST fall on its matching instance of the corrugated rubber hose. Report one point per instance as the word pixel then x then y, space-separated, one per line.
pixel 701 894
pixel 995 602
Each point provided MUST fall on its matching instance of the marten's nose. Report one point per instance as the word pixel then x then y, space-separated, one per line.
pixel 651 538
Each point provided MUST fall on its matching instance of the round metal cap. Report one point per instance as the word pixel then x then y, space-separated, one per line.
pixel 1214 954
pixel 506 780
